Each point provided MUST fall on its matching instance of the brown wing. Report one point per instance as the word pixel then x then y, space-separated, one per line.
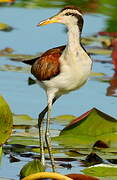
pixel 47 66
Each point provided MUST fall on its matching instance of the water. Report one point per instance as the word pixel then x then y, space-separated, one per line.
pixel 26 38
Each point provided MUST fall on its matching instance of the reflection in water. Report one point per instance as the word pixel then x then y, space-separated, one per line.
pixel 111 90
pixel 114 53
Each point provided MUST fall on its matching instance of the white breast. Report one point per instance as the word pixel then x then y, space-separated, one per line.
pixel 75 70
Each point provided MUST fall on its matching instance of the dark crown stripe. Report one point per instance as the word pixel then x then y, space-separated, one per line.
pixel 71 7
pixel 79 17
pixel 75 12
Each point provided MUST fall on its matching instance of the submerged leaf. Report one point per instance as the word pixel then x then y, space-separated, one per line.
pixel 31 168
pixel 6 121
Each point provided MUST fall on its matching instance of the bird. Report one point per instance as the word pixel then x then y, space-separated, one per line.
pixel 60 70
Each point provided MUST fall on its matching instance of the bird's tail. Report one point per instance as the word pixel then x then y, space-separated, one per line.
pixel 26 60
pixel 30 61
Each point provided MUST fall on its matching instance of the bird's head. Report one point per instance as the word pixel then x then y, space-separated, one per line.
pixel 69 15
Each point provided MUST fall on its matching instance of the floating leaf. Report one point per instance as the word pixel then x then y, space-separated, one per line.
pixel 93 158
pixel 13 159
pixel 103 61
pixel 96 39
pixel 6 51
pixel 81 176
pixel 111 90
pixel 13 68
pixel 64 118
pixel 5 27
pixel 100 144
pixel 87 40
pixel 18 57
pixel 23 119
pixel 103 79
pixel 112 34
pixel 97 74
pixel 102 170
pixel 92 126
pixel 31 168
pixel 6 121
pixel 16 148
pixel 1 178
pixel 114 53
pixel 22 140
pixel 0 152
pixel 99 51
pixel 22 57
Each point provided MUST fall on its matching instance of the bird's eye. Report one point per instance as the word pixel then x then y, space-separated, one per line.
pixel 69 14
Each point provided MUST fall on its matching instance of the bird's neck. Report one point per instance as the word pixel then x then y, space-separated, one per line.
pixel 74 37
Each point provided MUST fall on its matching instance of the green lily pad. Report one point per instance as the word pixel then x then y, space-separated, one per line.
pixel 31 168
pixel 6 121
pixel 85 130
pixel 102 170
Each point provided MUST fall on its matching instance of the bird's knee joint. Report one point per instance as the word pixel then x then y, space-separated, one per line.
pixel 41 116
pixel 47 134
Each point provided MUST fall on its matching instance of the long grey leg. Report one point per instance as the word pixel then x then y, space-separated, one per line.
pixel 47 136
pixel 41 132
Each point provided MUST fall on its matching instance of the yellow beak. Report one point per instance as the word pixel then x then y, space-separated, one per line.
pixel 54 19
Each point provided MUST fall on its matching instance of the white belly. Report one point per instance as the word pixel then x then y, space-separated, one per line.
pixel 71 77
